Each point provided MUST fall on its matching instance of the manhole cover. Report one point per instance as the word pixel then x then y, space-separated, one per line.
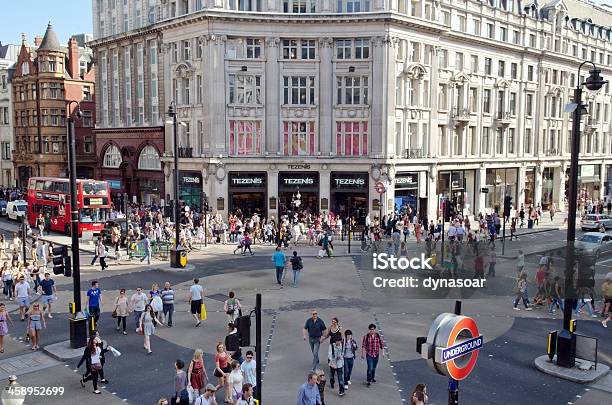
pixel 218 297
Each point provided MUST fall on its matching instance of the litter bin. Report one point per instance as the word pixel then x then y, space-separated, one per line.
pixel 178 258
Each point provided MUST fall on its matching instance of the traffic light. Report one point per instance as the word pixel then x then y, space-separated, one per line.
pixel 507 205
pixel 448 210
pixel 182 212
pixel 243 324
pixel 61 261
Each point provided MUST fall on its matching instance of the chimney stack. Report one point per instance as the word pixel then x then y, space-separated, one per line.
pixel 73 58
pixel 37 40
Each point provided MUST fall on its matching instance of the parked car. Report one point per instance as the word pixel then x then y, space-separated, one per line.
pixel 594 244
pixel 595 221
pixel 16 210
pixel 3 207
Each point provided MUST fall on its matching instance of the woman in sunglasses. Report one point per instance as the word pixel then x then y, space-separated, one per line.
pixel 36 322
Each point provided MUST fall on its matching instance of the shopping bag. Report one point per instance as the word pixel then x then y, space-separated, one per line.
pixel 434 259
pixel 203 312
pixel 114 351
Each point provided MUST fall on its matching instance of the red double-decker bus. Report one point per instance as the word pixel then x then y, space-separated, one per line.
pixel 51 197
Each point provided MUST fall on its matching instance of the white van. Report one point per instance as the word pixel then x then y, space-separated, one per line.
pixel 17 209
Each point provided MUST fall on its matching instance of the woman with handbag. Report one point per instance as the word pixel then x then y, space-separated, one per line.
pixel 147 326
pixel 92 357
pixel 121 310
pixel 197 375
pixel 222 370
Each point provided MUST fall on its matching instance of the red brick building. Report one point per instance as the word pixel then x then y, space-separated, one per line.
pixel 130 158
pixel 45 80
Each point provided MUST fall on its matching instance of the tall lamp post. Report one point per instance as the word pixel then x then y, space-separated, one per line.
pixel 78 323
pixel 175 259
pixel 566 341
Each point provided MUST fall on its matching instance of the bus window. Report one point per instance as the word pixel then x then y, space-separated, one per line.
pixel 58 186
pixel 98 215
pixel 32 184
pixel 66 187
pixel 48 185
pixel 39 184
pixel 55 212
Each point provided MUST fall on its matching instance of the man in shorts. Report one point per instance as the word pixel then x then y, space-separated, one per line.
pixel 195 300
pixel 47 288
pixel 22 292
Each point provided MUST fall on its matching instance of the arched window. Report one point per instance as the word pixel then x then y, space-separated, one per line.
pixel 112 157
pixel 149 159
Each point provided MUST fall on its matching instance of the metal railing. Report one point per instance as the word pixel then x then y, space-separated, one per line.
pixel 185 152
pixel 504 115
pixel 416 153
pixel 461 113
pixel 552 152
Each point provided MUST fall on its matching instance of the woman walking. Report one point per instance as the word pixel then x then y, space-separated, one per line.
pixel 232 307
pixel 7 279
pixel 92 357
pixel 2 247
pixel 222 370
pixel 197 376
pixel 156 301
pixel 235 380
pixel 121 310
pixel 36 322
pixel 147 326
pixel 521 293
pixel 4 317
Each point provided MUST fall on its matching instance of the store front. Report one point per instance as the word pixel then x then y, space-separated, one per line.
pixel 190 189
pixel 349 195
pixel 501 183
pixel 589 182
pixel 458 186
pixel 290 183
pixel 406 192
pixel 548 176
pixel 529 187
pixel 247 193
pixel 149 190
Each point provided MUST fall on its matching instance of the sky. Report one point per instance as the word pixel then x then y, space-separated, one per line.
pixel 32 16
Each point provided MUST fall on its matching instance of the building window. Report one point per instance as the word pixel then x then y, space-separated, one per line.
pixel 516 37
pixel 52 64
pixel 512 103
pixel 529 105
pixel 186 91
pixel 299 6
pixel 112 157
pixel 54 117
pixel 488 66
pixel 352 90
pixel 148 159
pixel 298 90
pixel 199 89
pixel 186 45
pixel 55 144
pixel 299 138
pixel 458 61
pixel 476 27
pixel 443 58
pixel 299 49
pixel 245 138
pixel 244 89
pixel 530 73
pixel 490 31
pixel 486 102
pixel 511 140
pixel 353 6
pixel 474 63
pixel 87 93
pixel 501 71
pixel 25 68
pixel 442 96
pixel 351 138
pixel 87 120
pixel 6 151
pixel 527 140
pixel 513 71
pixel 486 140
pixel 88 144
pixel 253 48
pixel 500 141
pixel 245 5
pixel 353 49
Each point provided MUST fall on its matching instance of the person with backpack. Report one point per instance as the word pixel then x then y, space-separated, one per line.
pixel 297 265
pixel 335 357
pixel 232 307
pixel 372 346
pixel 350 348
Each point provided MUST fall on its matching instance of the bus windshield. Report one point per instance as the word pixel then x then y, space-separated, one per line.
pixel 94 188
pixel 94 215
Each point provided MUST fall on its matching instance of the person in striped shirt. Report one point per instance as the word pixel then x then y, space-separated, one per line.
pixel 372 346
pixel 167 296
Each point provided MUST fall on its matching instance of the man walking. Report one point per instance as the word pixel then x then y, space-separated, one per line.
pixel 93 261
pixel 297 266
pixel 308 393
pixel 47 288
pixel 94 300
pixel 167 297
pixel 279 260
pixel 102 253
pixel 146 248
pixel 138 302
pixel 372 345
pixel 248 368
pixel 195 300
pixel 22 292
pixel 314 330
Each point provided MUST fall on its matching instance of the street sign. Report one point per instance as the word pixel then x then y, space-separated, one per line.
pixel 379 187
pixel 484 190
pixel 452 345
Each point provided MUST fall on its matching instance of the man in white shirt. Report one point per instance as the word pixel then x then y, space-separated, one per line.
pixel 247 395
pixel 138 302
pixel 22 292
pixel 249 368
pixel 41 251
pixel 195 300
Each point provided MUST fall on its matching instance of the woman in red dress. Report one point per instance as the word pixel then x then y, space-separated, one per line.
pixel 197 375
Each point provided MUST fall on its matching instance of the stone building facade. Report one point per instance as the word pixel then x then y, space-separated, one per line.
pixel 433 99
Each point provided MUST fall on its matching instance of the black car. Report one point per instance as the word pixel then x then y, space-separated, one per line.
pixel 107 231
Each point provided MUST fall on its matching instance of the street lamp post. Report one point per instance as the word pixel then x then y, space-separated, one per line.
pixel 566 341
pixel 78 323
pixel 175 259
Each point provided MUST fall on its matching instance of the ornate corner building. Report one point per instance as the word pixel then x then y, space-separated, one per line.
pixel 45 78
pixel 462 100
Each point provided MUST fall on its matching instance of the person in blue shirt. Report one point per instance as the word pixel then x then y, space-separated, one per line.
pixel 94 300
pixel 308 393
pixel 279 260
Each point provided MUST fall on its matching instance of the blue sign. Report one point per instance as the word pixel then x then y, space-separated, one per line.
pixel 461 349
pixel 114 184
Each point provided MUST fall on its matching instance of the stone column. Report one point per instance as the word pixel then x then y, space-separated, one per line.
pixel 273 191
pixel 432 193
pixel 217 99
pixel 390 44
pixel 602 178
pixel 537 192
pixel 326 91
pixel 558 186
pixel 272 81
pixel 325 186
pixel 433 147
pixel 377 144
pixel 522 180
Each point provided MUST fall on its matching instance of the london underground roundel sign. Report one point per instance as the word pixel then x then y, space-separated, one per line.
pixel 453 343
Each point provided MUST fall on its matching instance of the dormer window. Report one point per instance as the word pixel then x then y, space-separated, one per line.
pixel 52 64
pixel 25 68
